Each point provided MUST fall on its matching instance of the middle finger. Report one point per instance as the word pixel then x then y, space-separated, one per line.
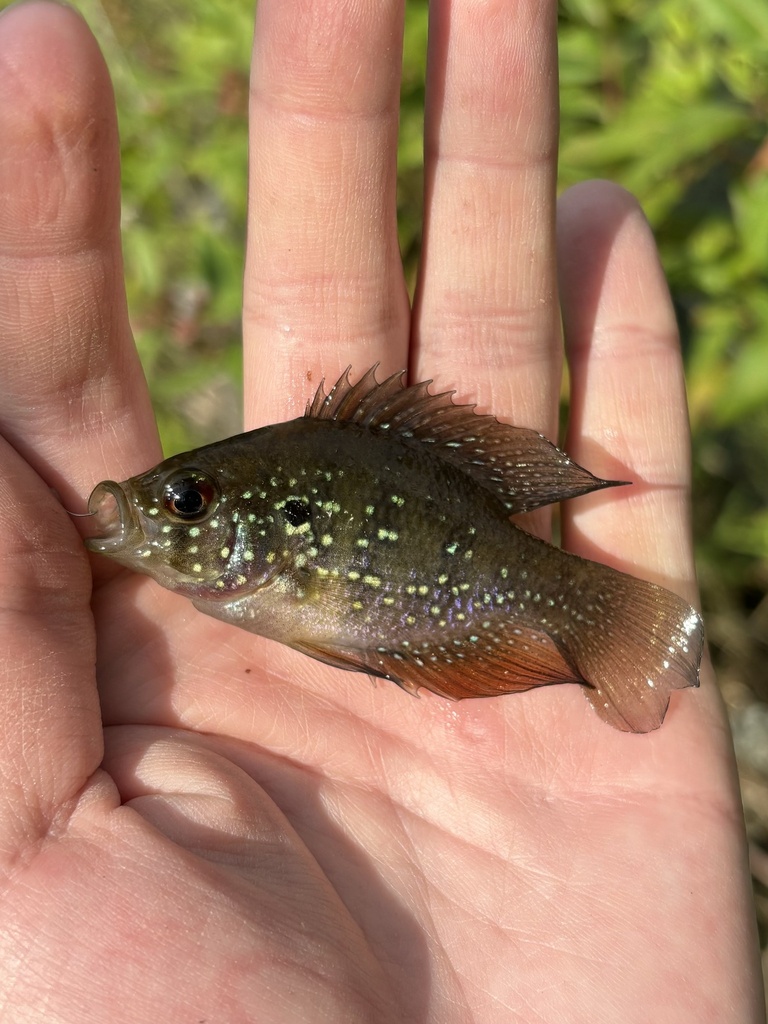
pixel 324 283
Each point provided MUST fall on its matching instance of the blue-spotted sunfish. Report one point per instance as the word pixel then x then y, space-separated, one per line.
pixel 374 534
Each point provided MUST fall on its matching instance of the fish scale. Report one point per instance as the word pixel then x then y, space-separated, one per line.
pixel 374 534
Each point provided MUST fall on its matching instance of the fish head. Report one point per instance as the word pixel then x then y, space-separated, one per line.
pixel 164 523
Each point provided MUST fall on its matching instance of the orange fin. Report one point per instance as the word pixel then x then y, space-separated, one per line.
pixel 519 466
pixel 508 661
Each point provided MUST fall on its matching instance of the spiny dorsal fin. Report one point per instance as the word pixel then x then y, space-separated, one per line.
pixel 520 466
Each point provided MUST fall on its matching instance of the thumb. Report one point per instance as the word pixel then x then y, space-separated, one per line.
pixel 50 724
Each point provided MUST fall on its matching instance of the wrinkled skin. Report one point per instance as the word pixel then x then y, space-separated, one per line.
pixel 210 826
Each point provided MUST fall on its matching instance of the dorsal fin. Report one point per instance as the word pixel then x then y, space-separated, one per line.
pixel 520 466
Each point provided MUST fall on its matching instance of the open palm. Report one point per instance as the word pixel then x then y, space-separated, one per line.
pixel 225 830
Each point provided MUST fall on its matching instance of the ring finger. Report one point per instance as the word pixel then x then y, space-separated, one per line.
pixel 486 299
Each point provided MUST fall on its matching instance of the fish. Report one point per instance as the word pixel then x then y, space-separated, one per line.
pixel 375 533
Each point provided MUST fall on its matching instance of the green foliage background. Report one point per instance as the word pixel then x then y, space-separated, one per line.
pixel 668 97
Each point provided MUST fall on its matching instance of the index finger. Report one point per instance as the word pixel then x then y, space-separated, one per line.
pixel 72 393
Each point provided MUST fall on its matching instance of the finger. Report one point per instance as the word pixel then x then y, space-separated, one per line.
pixel 628 420
pixel 49 710
pixel 72 394
pixel 628 417
pixel 323 283
pixel 486 298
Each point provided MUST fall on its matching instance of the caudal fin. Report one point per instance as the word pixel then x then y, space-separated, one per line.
pixel 639 642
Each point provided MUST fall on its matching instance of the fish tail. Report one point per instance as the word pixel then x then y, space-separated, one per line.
pixel 633 643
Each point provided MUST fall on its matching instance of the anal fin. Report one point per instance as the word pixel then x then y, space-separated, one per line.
pixel 506 660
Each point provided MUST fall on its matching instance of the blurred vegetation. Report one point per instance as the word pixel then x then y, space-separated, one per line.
pixel 668 97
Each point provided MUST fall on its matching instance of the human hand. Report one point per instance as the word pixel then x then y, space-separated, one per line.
pixel 230 831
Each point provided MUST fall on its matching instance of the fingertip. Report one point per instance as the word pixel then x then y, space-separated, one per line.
pixel 33 24
pixel 594 202
pixel 56 113
pixel 597 194
pixel 608 265
pixel 13 8
pixel 621 336
pixel 589 217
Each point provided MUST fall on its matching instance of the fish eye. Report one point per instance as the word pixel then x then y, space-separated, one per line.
pixel 190 497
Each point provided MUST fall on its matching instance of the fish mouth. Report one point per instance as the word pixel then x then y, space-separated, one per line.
pixel 112 517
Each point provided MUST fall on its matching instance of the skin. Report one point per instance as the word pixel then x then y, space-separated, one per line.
pixel 212 827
